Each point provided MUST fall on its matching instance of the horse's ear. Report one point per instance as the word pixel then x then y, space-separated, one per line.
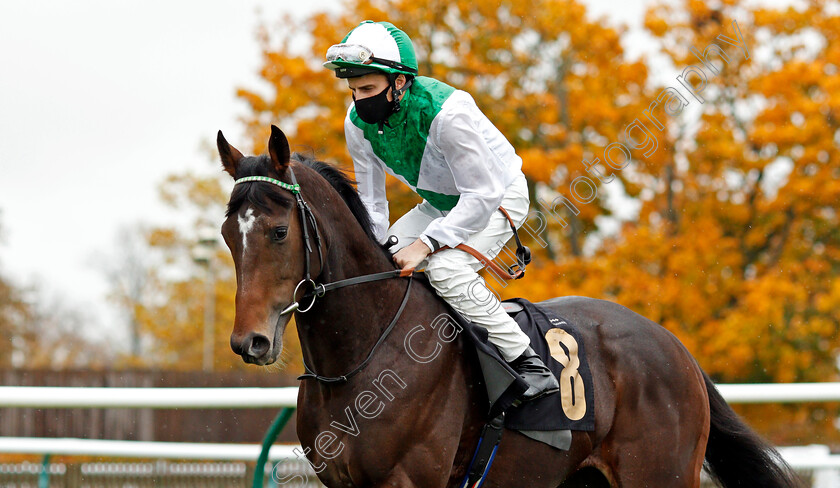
pixel 229 154
pixel 278 149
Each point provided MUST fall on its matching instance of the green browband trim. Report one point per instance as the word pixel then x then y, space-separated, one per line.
pixel 292 188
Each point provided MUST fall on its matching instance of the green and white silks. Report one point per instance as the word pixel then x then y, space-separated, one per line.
pixel 445 149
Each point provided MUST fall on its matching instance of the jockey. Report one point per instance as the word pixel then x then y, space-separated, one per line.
pixel 434 139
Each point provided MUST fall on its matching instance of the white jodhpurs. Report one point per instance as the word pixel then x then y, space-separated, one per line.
pixel 454 273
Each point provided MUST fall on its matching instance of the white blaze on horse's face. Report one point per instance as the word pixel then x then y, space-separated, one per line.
pixel 246 224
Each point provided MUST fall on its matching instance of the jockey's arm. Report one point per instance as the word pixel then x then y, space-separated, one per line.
pixel 478 175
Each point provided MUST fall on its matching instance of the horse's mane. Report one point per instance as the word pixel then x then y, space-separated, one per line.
pixel 343 184
pixel 259 195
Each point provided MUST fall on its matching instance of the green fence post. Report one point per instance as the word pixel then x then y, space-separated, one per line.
pixel 44 476
pixel 270 436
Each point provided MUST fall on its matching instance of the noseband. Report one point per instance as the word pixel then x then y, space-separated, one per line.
pixel 317 290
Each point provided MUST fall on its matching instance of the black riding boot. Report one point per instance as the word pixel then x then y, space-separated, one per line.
pixel 539 378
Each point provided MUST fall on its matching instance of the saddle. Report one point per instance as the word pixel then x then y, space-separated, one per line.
pixel 560 345
pixel 550 419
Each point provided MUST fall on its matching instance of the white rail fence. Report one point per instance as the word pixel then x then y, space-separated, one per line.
pixel 96 397
pixel 826 467
pixel 188 398
pixel 778 392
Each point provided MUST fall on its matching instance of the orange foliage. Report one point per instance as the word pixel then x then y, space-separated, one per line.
pixel 727 252
pixel 735 244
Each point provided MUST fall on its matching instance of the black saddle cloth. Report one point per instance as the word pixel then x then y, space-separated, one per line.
pixel 569 409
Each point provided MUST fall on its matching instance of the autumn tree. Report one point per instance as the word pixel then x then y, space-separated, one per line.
pixel 14 312
pixel 556 84
pixel 57 334
pixel 42 331
pixel 735 248
pixel 162 291
pixel 732 161
pixel 729 162
pixel 164 275
pixel 46 332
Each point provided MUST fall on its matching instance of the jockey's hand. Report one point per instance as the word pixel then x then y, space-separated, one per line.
pixel 412 255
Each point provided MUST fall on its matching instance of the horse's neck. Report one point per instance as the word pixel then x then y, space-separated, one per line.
pixel 342 329
pixel 344 324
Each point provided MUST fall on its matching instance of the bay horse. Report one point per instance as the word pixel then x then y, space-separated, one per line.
pixel 370 414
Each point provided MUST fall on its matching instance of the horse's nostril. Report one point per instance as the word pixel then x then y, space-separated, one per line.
pixel 259 346
pixel 237 345
pixel 251 347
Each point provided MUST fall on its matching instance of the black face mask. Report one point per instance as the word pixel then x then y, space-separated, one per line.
pixel 375 109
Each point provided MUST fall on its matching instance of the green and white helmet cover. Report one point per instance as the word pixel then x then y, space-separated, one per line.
pixel 371 47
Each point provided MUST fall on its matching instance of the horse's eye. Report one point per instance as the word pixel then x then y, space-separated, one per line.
pixel 279 233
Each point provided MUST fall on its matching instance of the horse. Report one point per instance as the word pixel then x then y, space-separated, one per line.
pixel 370 414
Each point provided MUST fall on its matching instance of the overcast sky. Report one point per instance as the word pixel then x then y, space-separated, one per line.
pixel 100 100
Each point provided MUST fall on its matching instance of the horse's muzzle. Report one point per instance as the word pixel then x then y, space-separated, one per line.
pixel 254 348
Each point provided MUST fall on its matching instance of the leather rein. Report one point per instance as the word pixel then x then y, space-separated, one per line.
pixel 318 290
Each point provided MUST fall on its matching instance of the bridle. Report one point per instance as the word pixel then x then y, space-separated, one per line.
pixel 307 219
pixel 318 290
